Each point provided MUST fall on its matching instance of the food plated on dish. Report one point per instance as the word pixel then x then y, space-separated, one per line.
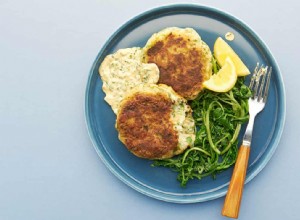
pixel 177 103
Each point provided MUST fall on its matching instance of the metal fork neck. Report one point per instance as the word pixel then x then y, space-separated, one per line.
pixel 248 134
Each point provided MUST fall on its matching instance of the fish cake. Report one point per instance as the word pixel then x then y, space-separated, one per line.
pixel 183 59
pixel 154 122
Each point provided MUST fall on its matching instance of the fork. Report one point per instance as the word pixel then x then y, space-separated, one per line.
pixel 260 89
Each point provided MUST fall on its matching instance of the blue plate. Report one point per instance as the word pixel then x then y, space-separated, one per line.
pixel 158 182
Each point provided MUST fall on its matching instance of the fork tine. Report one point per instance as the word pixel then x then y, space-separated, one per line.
pixel 264 73
pixel 253 76
pixel 267 85
pixel 257 79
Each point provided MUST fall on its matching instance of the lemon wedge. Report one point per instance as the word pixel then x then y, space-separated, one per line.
pixel 224 79
pixel 223 50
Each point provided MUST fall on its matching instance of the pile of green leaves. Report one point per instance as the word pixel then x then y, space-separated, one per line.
pixel 218 118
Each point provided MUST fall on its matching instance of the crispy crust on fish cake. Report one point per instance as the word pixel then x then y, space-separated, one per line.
pixel 183 59
pixel 154 122
pixel 145 127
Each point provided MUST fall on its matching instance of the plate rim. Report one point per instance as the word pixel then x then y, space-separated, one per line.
pixel 137 185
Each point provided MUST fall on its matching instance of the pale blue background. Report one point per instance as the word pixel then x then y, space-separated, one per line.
pixel 48 166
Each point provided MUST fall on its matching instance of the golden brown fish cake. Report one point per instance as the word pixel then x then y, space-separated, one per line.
pixel 183 59
pixel 145 127
pixel 154 122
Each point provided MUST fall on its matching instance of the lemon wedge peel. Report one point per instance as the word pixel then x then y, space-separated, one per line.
pixel 224 80
pixel 222 50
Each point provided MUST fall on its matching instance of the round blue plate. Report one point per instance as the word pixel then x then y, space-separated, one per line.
pixel 158 182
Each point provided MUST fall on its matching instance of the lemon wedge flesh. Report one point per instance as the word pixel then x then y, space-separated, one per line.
pixel 223 50
pixel 224 79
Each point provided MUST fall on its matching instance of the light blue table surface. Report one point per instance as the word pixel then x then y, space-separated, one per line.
pixel 48 166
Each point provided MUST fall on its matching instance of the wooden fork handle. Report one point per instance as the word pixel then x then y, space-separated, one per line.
pixel 234 195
